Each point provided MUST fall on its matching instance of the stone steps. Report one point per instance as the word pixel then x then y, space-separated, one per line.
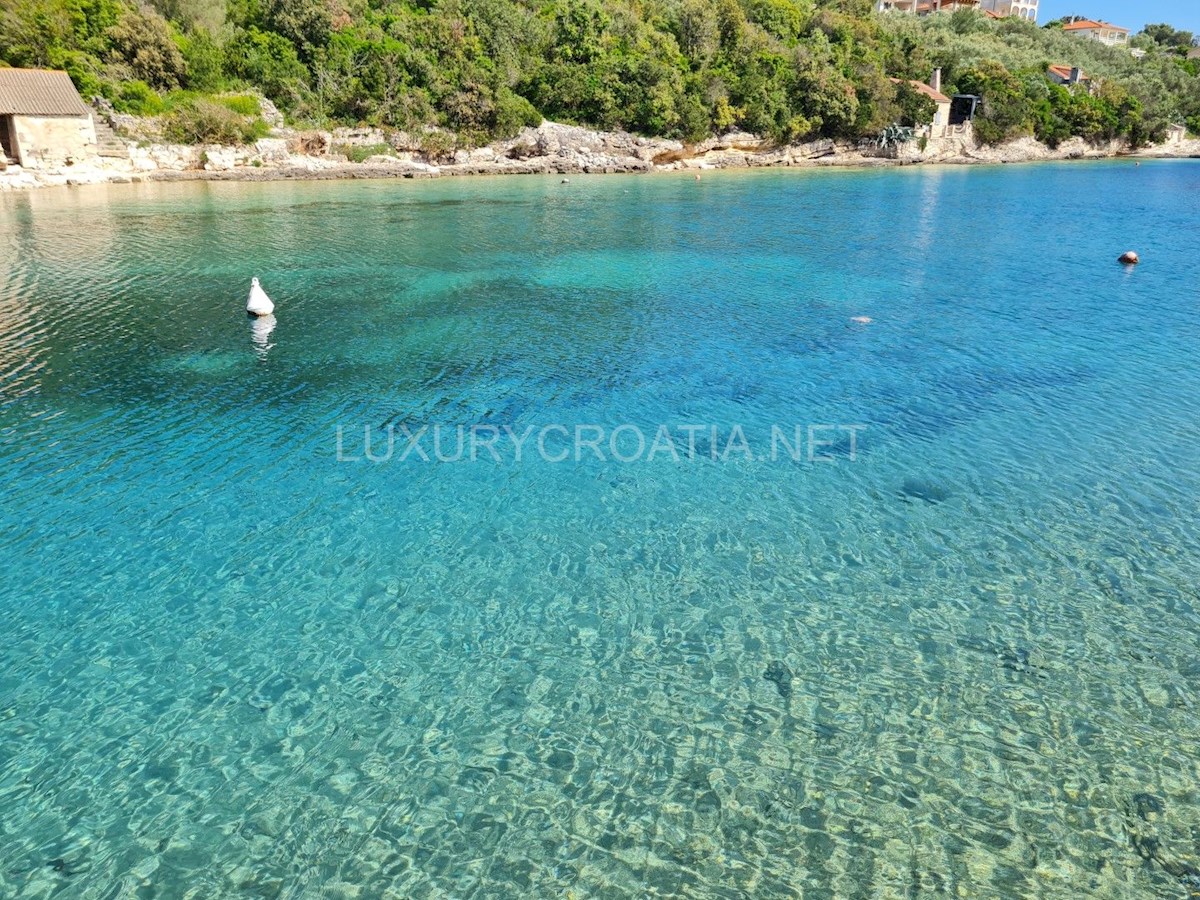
pixel 107 141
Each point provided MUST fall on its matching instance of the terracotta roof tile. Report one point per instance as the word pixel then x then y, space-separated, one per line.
pixel 926 90
pixel 1088 24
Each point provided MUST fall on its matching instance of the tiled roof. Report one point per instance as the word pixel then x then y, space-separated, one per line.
pixel 39 92
pixel 1088 24
pixel 1064 72
pixel 926 90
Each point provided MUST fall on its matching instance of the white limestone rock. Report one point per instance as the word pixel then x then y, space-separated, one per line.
pixel 219 159
pixel 271 150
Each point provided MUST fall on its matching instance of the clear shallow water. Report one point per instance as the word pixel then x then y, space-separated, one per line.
pixel 964 663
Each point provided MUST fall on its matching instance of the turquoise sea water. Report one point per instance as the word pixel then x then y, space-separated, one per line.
pixel 960 659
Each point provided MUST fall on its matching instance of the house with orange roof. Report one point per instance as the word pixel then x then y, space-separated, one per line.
pixel 1104 32
pixel 933 90
pixel 1067 75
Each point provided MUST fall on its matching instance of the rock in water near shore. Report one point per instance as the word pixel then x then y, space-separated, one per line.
pixel 1157 839
pixel 1128 258
pixel 779 673
pixel 920 489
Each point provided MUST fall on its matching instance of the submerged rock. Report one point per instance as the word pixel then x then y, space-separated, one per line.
pixel 1145 814
pixel 920 489
pixel 1147 806
pixel 779 673
pixel 753 719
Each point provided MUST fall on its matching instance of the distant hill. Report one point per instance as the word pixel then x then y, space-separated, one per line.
pixel 786 69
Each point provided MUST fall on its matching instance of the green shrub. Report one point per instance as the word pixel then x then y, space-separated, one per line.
pixel 201 121
pixel 1006 111
pixel 205 60
pixel 136 98
pixel 242 104
pixel 268 61
pixel 514 112
pixel 143 40
pixel 357 153
pixel 85 71
pixel 914 107
pixel 784 19
pixel 438 145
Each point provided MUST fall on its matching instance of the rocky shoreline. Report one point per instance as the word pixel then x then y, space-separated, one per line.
pixel 550 149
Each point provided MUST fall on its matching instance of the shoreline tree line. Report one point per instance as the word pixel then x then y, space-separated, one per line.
pixel 481 69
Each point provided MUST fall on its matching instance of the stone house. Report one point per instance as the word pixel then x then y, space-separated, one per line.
pixel 1067 75
pixel 44 123
pixel 941 116
pixel 1176 134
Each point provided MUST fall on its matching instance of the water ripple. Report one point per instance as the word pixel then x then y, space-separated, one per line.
pixel 962 663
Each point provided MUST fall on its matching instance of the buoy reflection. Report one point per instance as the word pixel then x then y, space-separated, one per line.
pixel 260 334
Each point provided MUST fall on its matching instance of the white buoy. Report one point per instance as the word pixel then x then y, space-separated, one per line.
pixel 259 303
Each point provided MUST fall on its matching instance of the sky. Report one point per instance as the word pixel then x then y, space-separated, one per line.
pixel 1131 14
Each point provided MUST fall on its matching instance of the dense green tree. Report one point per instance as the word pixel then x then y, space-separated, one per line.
pixel 308 24
pixel 205 61
pixel 268 61
pixel 913 107
pixel 1168 36
pixel 208 15
pixel 1005 111
pixel 142 40
pixel 786 69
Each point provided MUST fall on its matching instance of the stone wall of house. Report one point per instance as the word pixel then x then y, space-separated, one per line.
pixel 49 141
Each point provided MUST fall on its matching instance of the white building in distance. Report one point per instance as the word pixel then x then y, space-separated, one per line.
pixel 997 9
pixel 1022 9
pixel 924 7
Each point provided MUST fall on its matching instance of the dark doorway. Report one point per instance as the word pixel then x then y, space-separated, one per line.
pixel 6 142
pixel 962 108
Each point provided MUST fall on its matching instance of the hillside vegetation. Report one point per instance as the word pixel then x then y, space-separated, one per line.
pixel 787 69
